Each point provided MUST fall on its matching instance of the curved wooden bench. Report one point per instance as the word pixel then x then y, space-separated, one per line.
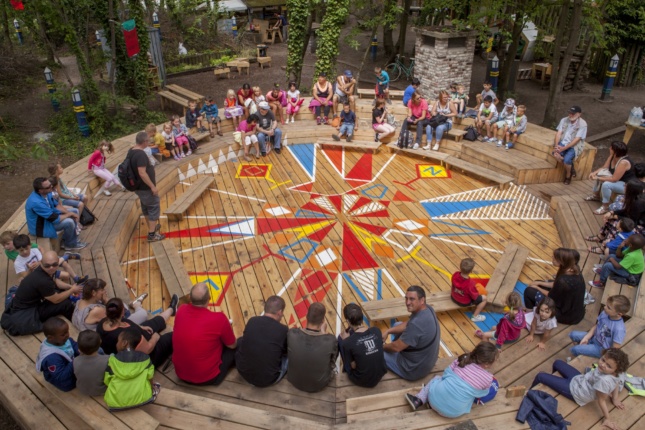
pixel 176 210
pixel 167 96
pixel 354 144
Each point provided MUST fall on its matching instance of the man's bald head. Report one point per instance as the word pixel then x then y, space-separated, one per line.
pixel 49 263
pixel 199 294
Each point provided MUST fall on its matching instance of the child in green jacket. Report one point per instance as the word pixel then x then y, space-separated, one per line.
pixel 129 375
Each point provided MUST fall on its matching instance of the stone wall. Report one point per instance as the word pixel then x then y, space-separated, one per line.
pixel 442 58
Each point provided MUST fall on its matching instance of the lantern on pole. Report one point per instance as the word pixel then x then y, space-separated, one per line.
pixel 155 23
pixel 16 25
pixel 49 78
pixel 79 109
pixel 97 35
pixel 234 26
pixel 494 72
pixel 610 77
pixel 374 48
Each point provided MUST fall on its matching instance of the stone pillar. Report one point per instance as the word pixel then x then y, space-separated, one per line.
pixel 443 57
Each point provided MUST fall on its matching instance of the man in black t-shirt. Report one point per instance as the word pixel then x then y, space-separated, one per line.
pixel 261 356
pixel 147 189
pixel 361 349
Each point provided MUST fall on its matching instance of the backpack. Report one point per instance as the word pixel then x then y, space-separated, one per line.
pixel 128 177
pixel 192 142
pixel 471 133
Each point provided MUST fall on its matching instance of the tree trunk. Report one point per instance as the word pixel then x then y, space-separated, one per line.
pixel 505 72
pixel 365 54
pixel 388 41
pixel 298 73
pixel 549 112
pixel 403 25
pixel 577 85
pixel 112 74
pixel 5 24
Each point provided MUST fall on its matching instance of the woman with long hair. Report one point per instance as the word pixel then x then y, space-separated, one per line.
pixel 611 176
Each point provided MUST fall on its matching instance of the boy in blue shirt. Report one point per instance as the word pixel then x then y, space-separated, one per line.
pixel 609 331
pixel 382 84
pixel 210 111
pixel 56 355
pixel 348 124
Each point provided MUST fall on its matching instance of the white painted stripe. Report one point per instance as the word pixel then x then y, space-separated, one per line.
pixel 396 285
pixel 205 217
pixel 289 282
pixel 238 195
pixel 483 248
pixel 383 168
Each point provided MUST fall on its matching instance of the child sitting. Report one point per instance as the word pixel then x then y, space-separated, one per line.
pixel 169 140
pixel 96 164
pixel 71 198
pixel 610 247
pixel 627 264
pixel 541 321
pixel 232 109
pixel 518 128
pixel 157 143
pixel 509 328
pixel 487 92
pixel 29 258
pixel 211 113
pixel 180 134
pixel 348 124
pixel 461 385
pixel 486 116
pixel 294 101
pixel 504 122
pixel 6 240
pixel 464 292
pixel 193 118
pixel 599 384
pixel 609 331
pixel 57 354
pixel 129 375
pixel 460 99
pixel 245 135
pixel 89 367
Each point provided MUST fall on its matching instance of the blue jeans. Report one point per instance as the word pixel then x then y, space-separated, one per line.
pixel 68 226
pixel 568 156
pixel 606 188
pixel 591 349
pixel 608 269
pixel 73 203
pixel 439 131
pixel 283 369
pixel 277 140
pixel 390 362
pixel 346 129
pixel 557 383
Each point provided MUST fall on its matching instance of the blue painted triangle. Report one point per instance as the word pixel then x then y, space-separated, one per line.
pixel 437 209
pixel 304 213
pixel 304 154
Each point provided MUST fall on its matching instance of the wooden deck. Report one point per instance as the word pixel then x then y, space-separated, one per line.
pixel 311 224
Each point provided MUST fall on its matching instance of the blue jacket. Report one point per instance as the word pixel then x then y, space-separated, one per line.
pixel 407 95
pixel 41 215
pixel 57 367
pixel 210 110
pixel 540 409
pixel 451 396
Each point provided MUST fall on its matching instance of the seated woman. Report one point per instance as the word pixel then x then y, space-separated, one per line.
pixel 379 121
pixel 158 347
pixel 567 289
pixel 448 110
pixel 277 99
pixel 612 176
pixel 243 94
pixel 634 209
pixel 91 308
pixel 322 97
pixel 71 198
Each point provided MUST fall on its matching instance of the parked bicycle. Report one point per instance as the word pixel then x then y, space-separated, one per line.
pixel 395 69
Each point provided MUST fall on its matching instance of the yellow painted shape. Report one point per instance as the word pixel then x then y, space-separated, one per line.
pixel 306 230
pixel 215 284
pixel 432 171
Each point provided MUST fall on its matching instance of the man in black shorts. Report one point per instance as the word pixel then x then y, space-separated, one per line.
pixel 146 188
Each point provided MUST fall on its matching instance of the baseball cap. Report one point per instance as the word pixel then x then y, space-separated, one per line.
pixel 263 105
pixel 348 73
pixel 575 109
pixel 509 103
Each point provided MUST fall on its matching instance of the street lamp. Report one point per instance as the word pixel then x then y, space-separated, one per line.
pixel 610 77
pixel 81 119
pixel 494 72
pixel 16 25
pixel 155 23
pixel 49 78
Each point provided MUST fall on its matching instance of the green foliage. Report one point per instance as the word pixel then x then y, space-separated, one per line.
pixel 298 13
pixel 623 24
pixel 328 35
pixel 8 152
pixel 222 60
pixel 184 68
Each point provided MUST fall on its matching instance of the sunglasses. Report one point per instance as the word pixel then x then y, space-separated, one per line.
pixel 47 188
pixel 49 266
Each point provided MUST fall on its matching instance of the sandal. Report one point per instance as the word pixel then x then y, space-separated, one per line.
pixel 596 250
pixel 593 239
pixel 567 181
pixel 601 210
pixel 479 334
pixel 592 198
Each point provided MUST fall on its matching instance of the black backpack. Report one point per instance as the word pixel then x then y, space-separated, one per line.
pixel 471 134
pixel 127 175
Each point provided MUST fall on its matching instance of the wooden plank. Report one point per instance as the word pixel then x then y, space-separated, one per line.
pixel 172 268
pixel 354 144
pixel 512 275
pixel 497 278
pixel 190 95
pixel 177 209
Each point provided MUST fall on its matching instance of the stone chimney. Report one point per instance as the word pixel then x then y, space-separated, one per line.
pixel 443 56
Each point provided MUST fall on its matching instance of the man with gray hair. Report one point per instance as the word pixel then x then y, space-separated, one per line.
pixel 203 341
pixel 268 129
pixel 146 186
pixel 261 357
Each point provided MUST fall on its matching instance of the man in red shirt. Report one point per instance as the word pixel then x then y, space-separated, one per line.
pixel 203 341
pixel 464 292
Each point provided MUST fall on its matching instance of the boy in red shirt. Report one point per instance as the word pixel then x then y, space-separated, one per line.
pixel 464 292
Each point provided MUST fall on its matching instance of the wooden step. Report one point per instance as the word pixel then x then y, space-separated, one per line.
pixel 370 146
pixel 478 171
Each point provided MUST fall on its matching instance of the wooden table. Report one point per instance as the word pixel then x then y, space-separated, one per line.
pixel 630 130
pixel 190 95
pixel 543 69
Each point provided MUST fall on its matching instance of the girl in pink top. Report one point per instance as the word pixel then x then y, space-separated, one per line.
pixel 245 135
pixel 277 99
pixel 97 165
pixel 510 327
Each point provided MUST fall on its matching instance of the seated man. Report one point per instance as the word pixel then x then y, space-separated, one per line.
pixel 261 356
pixel 361 348
pixel 268 129
pixel 415 348
pixel 344 92
pixel 38 299
pixel 312 352
pixel 45 217
pixel 203 341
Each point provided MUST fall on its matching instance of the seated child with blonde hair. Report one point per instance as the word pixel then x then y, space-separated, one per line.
pixel 157 142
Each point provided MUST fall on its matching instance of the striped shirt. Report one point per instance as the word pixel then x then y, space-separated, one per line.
pixel 473 374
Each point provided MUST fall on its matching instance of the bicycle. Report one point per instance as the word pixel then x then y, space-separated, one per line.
pixel 395 69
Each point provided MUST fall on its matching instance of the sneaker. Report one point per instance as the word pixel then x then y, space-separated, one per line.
pixel 335 137
pixel 325 120
pixel 78 280
pixel 78 247
pixel 293 119
pixel 107 193
pixel 247 158
pixel 573 171
pixel 183 155
pixel 414 401
pixel 416 146
pixel 277 150
pixel 139 299
pixel 597 266
pixel 156 237
pixel 478 318
pixel 589 299
pixel 219 133
pixel 176 157
pixel 376 137
pixel 499 143
pixel 71 256
pixel 318 120
pixel 157 228
pixel 348 138
pixel 427 147
pixel 435 147
pixel 189 152
pixel 597 270
pixel 264 154
pixel 596 284
pixel 257 156
pixel 174 303
pixel 509 146
pixel 389 101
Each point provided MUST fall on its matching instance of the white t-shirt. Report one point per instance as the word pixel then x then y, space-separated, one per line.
pixel 21 264
pixel 583 387
pixel 293 95
pixel 484 111
pixel 167 137
pixel 540 326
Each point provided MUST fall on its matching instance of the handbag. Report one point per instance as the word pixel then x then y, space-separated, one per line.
pixel 87 217
pixel 604 172
pixel 471 134
pixel 437 120
pixel 335 122
pixel 391 120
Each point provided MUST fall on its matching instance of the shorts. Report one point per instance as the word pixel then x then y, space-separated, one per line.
pixel 381 89
pixel 517 133
pixel 475 302
pixel 74 203
pixel 213 119
pixel 568 156
pixel 150 204
pixel 375 126
pixel 500 124
pixel 342 99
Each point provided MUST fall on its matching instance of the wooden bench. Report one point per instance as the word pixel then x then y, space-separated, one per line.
pixel 433 155
pixel 613 288
pixel 524 74
pixel 386 309
pixel 176 210
pixel 168 96
pixel 456 134
pixel 575 220
pixel 221 72
pixel 369 93
pixel 262 61
pixel 172 268
pixel 49 244
pixel 354 144
pixel 240 65
pixel 506 274
pixel 190 95
pixel 455 163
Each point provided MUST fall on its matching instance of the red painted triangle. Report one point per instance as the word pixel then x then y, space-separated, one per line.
pixel 385 203
pixel 337 201
pixel 352 192
pixel 362 169
pixel 400 197
pixel 322 233
pixel 362 201
pixel 271 225
pixel 377 214
pixel 306 188
pixel 335 155
pixel 200 231
pixel 313 207
pixel 355 184
pixel 355 256
pixel 374 229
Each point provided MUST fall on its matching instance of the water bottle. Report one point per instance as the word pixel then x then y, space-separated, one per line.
pixel 635 116
pixel 639 116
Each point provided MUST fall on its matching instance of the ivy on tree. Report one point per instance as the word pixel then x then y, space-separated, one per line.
pixel 328 35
